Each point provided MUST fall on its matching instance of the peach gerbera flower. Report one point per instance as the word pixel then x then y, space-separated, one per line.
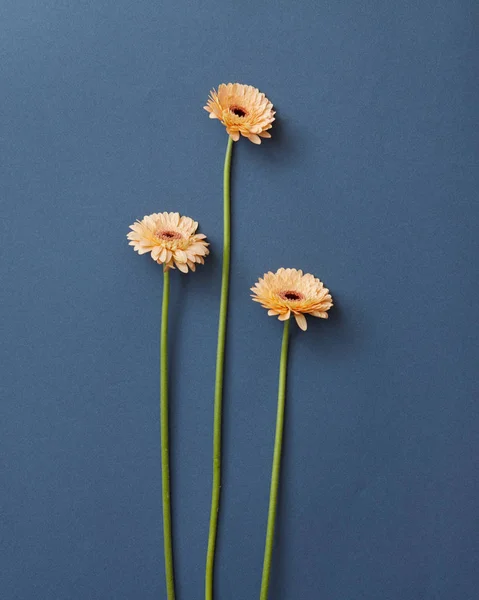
pixel 171 239
pixel 243 109
pixel 288 292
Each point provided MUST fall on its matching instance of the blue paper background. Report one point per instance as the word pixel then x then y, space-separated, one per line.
pixel 370 182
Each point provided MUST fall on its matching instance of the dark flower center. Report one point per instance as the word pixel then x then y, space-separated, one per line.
pixel 291 295
pixel 170 235
pixel 238 111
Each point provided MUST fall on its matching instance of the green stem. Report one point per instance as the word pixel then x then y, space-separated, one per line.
pixel 278 442
pixel 165 452
pixel 220 358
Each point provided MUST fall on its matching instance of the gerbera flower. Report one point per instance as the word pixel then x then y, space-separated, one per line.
pixel 288 292
pixel 243 109
pixel 171 239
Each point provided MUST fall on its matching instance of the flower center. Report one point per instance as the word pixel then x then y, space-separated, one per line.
pixel 238 111
pixel 169 235
pixel 291 295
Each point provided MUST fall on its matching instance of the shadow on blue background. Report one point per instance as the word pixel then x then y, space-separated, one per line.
pixel 370 182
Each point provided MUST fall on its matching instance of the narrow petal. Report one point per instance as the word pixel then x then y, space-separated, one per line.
pixel 163 255
pixel 285 316
pixel 254 138
pixel 199 249
pixel 156 252
pixel 301 321
pixel 183 267
pixel 180 256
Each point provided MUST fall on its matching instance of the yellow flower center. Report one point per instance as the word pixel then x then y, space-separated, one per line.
pixel 291 295
pixel 238 111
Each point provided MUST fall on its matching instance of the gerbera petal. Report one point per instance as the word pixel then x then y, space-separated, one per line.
pixel 301 321
pixel 183 267
pixel 254 138
pixel 163 254
pixel 180 256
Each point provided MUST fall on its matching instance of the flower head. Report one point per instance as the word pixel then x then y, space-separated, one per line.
pixel 288 292
pixel 243 109
pixel 171 239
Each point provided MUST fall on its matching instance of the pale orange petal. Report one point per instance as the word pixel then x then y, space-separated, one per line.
pixel 183 267
pixel 301 321
pixel 163 255
pixel 180 256
pixel 254 138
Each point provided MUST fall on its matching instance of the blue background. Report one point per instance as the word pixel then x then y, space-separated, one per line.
pixel 370 182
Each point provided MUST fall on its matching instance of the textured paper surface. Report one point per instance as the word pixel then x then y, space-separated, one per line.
pixel 370 183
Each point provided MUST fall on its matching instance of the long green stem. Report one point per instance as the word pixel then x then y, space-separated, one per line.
pixel 220 359
pixel 278 442
pixel 165 452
